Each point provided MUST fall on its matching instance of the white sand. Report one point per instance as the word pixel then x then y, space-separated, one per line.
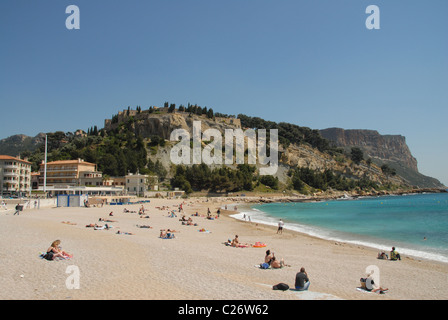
pixel 192 266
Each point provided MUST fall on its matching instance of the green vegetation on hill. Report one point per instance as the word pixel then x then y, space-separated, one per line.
pixel 304 177
pixel 223 179
pixel 120 151
pixel 290 133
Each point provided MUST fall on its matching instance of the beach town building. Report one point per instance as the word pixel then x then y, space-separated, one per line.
pixel 114 181
pixel 136 183
pixel 91 178
pixel 139 184
pixel 15 176
pixel 65 172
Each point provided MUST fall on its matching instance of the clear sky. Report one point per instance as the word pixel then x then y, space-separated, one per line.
pixel 312 62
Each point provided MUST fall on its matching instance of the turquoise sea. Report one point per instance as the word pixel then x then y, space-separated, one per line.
pixel 416 224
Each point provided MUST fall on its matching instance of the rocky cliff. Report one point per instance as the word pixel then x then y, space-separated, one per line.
pixel 374 145
pixel 162 124
pixel 382 149
pixel 295 155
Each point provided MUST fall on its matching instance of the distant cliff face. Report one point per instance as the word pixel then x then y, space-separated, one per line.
pixel 18 143
pixel 383 149
pixel 374 145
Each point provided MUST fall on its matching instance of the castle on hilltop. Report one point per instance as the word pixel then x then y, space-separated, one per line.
pixel 159 112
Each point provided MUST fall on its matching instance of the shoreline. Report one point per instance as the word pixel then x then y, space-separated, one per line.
pixel 194 265
pixel 408 250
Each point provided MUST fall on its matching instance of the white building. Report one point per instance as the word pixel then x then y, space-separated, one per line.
pixel 15 176
pixel 136 183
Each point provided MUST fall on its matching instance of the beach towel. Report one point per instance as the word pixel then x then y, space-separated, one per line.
pixel 204 231
pixel 49 257
pixel 171 237
pixel 259 245
pixel 370 291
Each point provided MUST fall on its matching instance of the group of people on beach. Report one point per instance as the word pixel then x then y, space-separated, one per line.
pixel 271 261
pixel 394 255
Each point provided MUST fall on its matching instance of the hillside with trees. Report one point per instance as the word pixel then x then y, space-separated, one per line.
pixel 135 140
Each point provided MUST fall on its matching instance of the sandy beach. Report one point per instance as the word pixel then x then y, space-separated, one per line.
pixel 194 265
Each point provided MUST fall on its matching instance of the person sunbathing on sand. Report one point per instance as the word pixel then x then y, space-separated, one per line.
pixel 168 234
pixel 68 222
pixel 236 243
pixel 91 225
pixel 172 214
pixel 101 219
pixel 369 285
pixel 128 233
pixel 277 263
pixel 144 226
pixel 269 257
pixel 382 255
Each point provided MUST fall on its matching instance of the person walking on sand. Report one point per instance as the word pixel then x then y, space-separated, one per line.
pixel 17 209
pixel 4 205
pixel 280 227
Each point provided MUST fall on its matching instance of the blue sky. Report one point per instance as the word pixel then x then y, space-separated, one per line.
pixel 312 63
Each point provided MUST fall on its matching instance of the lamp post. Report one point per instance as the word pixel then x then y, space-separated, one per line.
pixel 45 167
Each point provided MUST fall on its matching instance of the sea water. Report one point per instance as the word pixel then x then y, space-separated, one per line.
pixel 416 224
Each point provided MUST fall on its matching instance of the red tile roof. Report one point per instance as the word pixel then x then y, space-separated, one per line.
pixel 4 157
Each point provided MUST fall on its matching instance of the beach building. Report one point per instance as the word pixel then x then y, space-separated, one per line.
pixel 114 181
pixel 136 183
pixel 65 172
pixel 140 184
pixel 91 178
pixel 15 176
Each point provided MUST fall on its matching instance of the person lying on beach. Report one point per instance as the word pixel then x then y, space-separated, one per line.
pixel 55 251
pixel 166 234
pixel 144 217
pixel 172 214
pixel 120 232
pixel 382 255
pixel 236 243
pixel 127 211
pixel 144 226
pixel 369 285
pixel 275 263
pixel 91 225
pixel 68 222
pixel 105 227
pixel 101 219
pixel 189 222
